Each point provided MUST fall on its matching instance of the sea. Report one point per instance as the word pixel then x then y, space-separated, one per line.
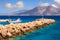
pixel 50 32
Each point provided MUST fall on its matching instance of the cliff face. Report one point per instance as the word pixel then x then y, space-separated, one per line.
pixel 38 11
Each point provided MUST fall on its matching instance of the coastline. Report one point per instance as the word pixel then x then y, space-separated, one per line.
pixel 13 30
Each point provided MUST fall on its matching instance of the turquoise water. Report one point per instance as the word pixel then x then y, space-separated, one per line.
pixel 50 32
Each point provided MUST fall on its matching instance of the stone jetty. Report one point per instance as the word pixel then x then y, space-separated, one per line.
pixel 13 30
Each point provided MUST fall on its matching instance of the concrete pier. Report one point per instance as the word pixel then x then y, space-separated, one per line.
pixel 13 30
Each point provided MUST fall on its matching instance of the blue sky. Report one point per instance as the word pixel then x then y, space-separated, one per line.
pixel 7 6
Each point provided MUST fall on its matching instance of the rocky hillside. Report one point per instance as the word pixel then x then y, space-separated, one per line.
pixel 50 10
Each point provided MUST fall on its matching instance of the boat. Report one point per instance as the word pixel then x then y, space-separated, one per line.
pixel 3 20
pixel 15 21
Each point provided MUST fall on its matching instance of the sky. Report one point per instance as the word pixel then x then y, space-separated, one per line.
pixel 8 6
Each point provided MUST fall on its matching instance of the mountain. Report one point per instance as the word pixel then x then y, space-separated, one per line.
pixel 50 10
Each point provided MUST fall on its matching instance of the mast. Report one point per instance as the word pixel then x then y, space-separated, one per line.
pixel 41 9
pixel 9 20
pixel 42 14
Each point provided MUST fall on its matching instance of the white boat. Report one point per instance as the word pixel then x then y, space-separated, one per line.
pixel 10 21
pixel 3 20
pixel 16 21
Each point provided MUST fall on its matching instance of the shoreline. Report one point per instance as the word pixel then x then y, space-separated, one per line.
pixel 13 30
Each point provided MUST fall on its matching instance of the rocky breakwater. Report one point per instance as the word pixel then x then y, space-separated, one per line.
pixel 13 30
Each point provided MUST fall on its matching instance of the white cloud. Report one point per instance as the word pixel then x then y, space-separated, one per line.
pixel 44 4
pixel 8 5
pixel 57 1
pixel 19 4
pixel 54 5
pixel 30 8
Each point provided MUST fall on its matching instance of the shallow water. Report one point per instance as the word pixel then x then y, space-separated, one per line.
pixel 50 32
